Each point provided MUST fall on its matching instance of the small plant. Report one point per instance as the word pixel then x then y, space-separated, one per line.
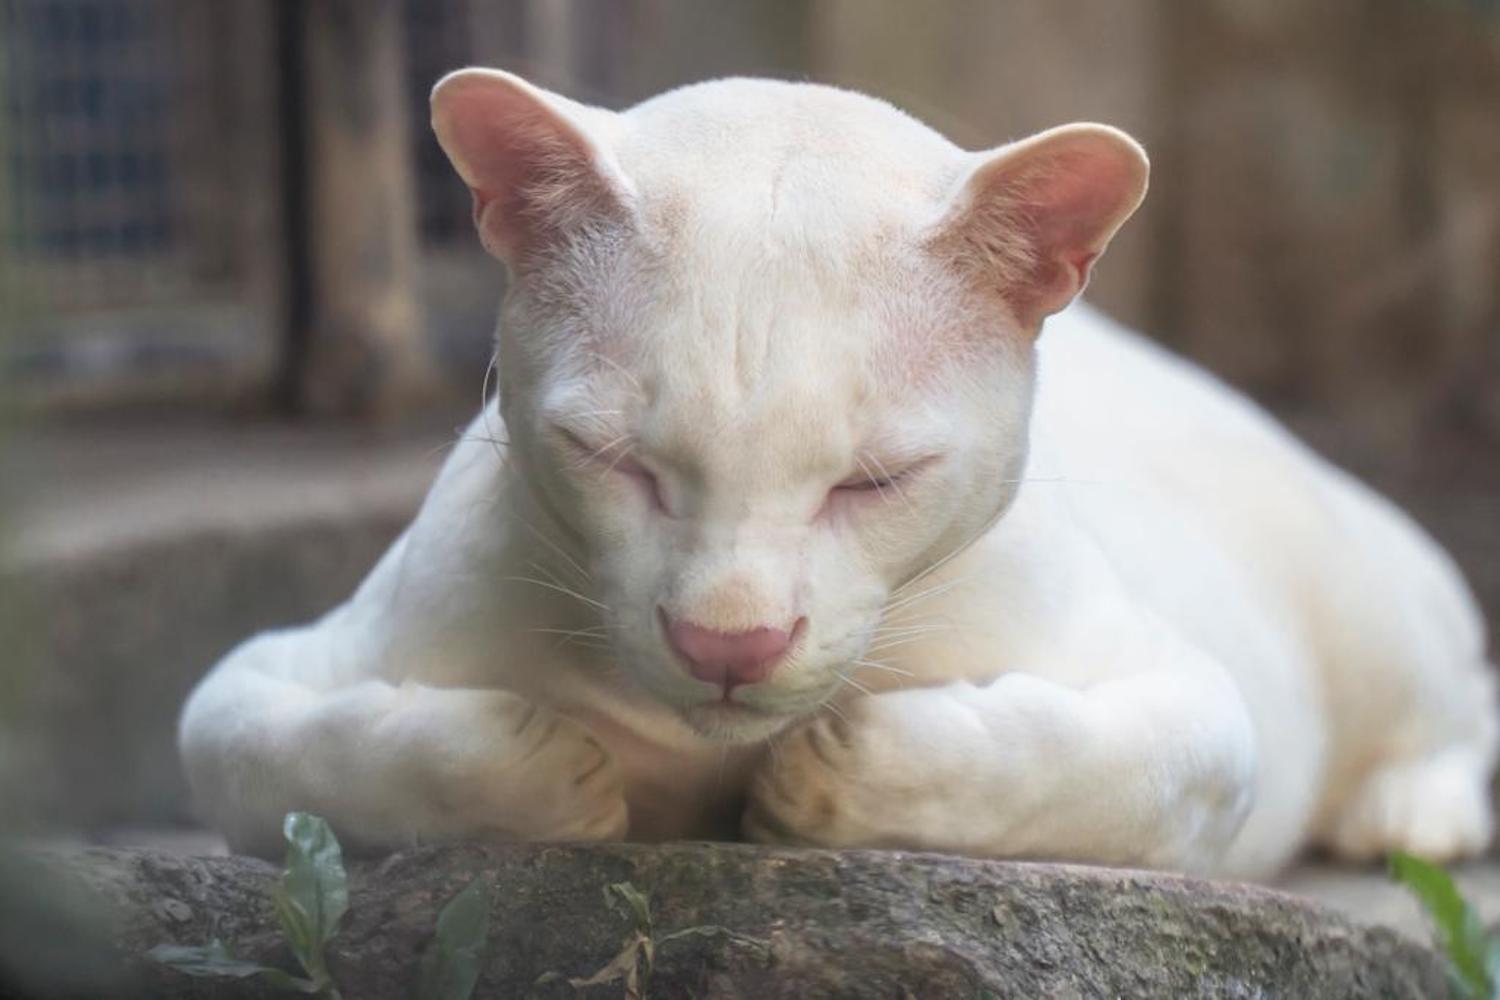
pixel 1473 955
pixel 636 959
pixel 311 899
pixel 635 962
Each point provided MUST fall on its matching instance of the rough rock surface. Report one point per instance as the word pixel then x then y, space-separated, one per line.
pixel 777 923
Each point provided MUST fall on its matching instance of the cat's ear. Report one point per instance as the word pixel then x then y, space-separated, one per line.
pixel 538 164
pixel 1028 219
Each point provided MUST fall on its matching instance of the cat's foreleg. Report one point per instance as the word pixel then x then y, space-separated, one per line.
pixel 387 765
pixel 1152 769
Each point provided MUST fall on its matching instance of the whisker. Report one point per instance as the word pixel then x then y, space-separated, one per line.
pixel 960 550
pixel 619 455
pixel 611 444
pixel 599 632
pixel 561 590
pixel 555 548
pixel 484 403
pixel 933 591
pixel 893 631
pixel 595 637
pixel 446 446
pixel 874 479
pixel 874 665
pixel 544 571
pixel 474 438
pixel 845 678
pixel 828 704
pixel 878 647
pixel 895 485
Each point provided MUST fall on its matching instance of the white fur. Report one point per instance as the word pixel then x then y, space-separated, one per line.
pixel 1121 618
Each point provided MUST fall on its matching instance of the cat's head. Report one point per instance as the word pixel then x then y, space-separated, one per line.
pixel 768 349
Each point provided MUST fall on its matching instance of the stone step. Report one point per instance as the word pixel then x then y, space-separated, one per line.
pixel 761 922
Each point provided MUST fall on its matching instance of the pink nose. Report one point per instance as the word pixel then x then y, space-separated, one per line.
pixel 728 659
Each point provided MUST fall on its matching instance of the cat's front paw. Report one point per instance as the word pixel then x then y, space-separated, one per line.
pixel 848 779
pixel 490 764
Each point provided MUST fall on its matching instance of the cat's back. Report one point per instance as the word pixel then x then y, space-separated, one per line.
pixel 1180 479
pixel 1099 381
pixel 1120 413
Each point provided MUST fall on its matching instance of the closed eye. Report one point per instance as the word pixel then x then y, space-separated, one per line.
pixel 866 484
pixel 874 477
pixel 608 452
pixel 615 457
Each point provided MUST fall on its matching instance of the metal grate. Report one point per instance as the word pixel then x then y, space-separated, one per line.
pixel 140 179
pixel 98 198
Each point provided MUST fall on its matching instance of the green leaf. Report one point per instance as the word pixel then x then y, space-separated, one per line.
pixel 213 960
pixel 452 963
pixel 633 900
pixel 1492 960
pixel 1459 930
pixel 296 925
pixel 314 891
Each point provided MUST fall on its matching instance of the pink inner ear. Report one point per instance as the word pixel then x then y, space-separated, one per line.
pixel 1040 214
pixel 1074 202
pixel 529 168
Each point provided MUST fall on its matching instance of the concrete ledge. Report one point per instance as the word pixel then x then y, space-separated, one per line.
pixel 140 558
pixel 123 638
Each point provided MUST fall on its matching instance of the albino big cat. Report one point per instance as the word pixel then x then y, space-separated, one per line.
pixel 793 520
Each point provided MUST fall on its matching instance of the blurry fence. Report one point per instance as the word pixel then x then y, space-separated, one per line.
pixel 108 109
pixel 1324 224
pixel 135 202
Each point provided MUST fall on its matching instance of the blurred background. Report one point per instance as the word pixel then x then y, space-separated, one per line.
pixel 242 310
